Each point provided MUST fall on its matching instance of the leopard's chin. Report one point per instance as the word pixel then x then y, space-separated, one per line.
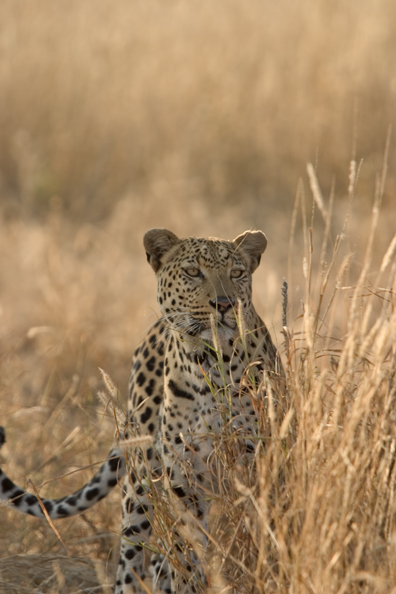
pixel 224 334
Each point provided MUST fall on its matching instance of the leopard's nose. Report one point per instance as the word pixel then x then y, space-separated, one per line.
pixel 222 304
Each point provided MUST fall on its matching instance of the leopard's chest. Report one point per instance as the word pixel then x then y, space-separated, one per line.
pixel 198 388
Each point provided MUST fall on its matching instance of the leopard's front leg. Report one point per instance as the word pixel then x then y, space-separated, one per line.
pixel 137 563
pixel 136 530
pixel 189 487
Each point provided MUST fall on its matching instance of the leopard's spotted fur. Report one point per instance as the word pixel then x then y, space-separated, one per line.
pixel 198 350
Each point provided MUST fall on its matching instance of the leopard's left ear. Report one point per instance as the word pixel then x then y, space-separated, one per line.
pixel 157 242
pixel 253 244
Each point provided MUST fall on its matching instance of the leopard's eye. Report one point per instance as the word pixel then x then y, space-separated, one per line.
pixel 192 271
pixel 236 273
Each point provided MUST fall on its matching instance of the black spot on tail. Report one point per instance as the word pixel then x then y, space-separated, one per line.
pixel 92 493
pixel 7 485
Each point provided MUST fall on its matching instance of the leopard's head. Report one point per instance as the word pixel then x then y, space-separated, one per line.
pixel 204 281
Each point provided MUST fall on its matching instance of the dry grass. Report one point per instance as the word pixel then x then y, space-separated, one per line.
pixel 202 118
pixel 186 100
pixel 318 515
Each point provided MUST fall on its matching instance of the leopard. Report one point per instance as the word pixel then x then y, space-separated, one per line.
pixel 193 358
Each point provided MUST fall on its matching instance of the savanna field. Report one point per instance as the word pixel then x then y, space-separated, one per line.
pixel 208 119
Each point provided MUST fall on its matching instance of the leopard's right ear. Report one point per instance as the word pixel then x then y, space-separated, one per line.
pixel 157 242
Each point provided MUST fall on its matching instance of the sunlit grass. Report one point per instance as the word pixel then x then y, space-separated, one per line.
pixel 189 102
pixel 317 513
pixel 203 119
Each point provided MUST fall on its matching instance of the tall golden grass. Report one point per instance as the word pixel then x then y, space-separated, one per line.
pixel 220 104
pixel 318 514
pixel 202 117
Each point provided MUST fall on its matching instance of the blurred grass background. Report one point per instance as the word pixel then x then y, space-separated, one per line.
pixel 199 116
pixel 217 103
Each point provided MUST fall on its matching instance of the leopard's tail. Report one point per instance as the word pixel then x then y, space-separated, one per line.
pixel 111 471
